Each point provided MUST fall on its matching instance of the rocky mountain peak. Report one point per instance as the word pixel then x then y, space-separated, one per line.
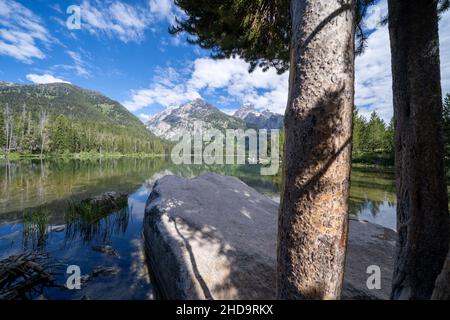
pixel 173 122
pixel 260 120
pixel 245 110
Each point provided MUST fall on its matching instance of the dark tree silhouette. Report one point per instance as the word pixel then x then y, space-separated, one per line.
pixel 422 208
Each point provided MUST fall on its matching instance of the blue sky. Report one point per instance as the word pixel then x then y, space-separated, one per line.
pixel 123 49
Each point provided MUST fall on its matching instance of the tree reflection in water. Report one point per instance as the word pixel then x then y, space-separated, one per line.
pixel 91 225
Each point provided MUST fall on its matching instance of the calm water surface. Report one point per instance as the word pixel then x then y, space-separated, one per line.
pixel 27 186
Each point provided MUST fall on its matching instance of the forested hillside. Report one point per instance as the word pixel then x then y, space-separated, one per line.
pixel 62 118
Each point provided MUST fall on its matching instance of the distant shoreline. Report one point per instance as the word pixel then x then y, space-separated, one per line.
pixel 357 162
pixel 77 156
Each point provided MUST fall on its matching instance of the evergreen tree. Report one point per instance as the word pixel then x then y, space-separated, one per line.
pixel 258 31
pixel 389 138
pixel 2 131
pixel 60 135
pixel 359 128
pixel 375 134
pixel 372 139
pixel 422 201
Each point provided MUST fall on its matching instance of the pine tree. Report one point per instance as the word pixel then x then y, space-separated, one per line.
pixel 359 128
pixel 42 131
pixel 8 128
pixel 375 134
pixel 389 138
pixel 2 131
pixel 60 135
pixel 259 31
pixel 422 204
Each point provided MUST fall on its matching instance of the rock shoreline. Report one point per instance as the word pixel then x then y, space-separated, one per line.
pixel 214 237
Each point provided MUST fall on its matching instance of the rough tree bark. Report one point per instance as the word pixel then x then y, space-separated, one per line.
pixel 442 286
pixel 422 213
pixel 313 220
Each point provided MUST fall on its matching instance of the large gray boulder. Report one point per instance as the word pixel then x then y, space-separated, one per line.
pixel 214 237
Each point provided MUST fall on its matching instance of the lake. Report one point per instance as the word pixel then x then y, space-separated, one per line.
pixel 28 186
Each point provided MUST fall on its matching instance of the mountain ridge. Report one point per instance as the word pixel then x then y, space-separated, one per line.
pixel 69 99
pixel 98 122
pixel 261 120
pixel 174 121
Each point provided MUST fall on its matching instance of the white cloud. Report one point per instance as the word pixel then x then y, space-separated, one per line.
pixel 375 14
pixel 56 7
pixel 165 95
pixel 79 64
pixel 444 38
pixel 229 112
pixel 373 85
pixel 164 9
pixel 373 89
pixel 144 117
pixel 43 79
pixel 20 32
pixel 266 90
pixel 168 89
pixel 373 82
pixel 126 22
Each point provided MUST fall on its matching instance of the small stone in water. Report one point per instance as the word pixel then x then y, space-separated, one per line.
pixel 109 250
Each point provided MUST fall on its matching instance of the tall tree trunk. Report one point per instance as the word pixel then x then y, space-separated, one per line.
pixel 422 213
pixel 313 220
pixel 442 287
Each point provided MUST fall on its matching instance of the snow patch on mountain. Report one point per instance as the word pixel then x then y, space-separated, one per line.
pixel 173 122
pixel 260 120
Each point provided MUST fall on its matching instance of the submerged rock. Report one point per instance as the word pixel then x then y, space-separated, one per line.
pixel 100 271
pixel 108 201
pixel 214 237
pixel 107 249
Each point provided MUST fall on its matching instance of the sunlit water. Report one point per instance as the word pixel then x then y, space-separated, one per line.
pixel 25 186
